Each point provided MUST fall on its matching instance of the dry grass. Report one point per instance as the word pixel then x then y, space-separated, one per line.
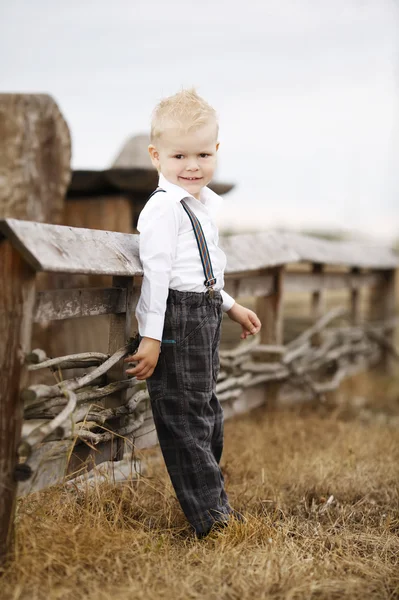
pixel 281 467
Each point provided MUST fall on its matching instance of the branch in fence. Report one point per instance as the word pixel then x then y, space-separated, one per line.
pixel 317 327
pixel 296 353
pixel 252 367
pixel 86 359
pixel 241 380
pixel 383 341
pixel 99 414
pixel 35 357
pixel 239 350
pixel 84 395
pixel 34 392
pixel 96 438
pixel 43 431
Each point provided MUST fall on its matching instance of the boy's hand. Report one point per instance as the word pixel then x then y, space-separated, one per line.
pixel 146 356
pixel 246 318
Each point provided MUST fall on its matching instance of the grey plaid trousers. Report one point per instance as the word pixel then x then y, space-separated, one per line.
pixel 187 414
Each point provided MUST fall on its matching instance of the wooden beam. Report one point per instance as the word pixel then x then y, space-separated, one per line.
pixel 260 283
pixel 17 295
pixel 62 249
pixel 256 286
pixel 55 305
pixel 314 281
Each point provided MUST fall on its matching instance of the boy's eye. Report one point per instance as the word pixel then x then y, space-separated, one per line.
pixel 204 155
pixel 179 156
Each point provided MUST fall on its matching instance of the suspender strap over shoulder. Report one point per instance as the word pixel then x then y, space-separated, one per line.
pixel 210 279
pixel 155 192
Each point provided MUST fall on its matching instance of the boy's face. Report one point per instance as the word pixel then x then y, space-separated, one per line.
pixel 187 159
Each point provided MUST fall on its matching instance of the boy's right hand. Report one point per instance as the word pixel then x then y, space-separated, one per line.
pixel 146 356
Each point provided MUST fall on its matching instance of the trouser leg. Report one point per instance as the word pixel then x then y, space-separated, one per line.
pixel 188 416
pixel 218 429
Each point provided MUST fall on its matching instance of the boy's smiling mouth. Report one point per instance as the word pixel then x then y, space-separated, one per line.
pixel 190 178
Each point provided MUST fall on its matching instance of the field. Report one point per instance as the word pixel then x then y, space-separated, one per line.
pixel 320 490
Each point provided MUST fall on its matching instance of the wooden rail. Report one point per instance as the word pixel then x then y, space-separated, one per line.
pixel 257 267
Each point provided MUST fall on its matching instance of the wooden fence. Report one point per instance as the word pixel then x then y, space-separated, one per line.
pixel 47 432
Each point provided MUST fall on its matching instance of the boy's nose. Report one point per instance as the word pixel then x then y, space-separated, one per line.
pixel 192 166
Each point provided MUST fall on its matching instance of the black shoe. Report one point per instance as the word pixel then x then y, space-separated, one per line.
pixel 216 526
pixel 238 516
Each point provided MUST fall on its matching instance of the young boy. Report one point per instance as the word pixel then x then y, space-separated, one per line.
pixel 180 307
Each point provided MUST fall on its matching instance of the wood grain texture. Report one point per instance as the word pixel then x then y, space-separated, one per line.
pixel 55 305
pixel 58 248
pixel 107 213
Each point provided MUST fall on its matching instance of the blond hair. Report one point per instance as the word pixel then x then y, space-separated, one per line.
pixel 185 110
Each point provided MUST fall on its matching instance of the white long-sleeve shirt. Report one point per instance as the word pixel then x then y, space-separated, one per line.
pixel 169 253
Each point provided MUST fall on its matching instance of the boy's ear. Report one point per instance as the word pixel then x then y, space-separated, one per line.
pixel 154 155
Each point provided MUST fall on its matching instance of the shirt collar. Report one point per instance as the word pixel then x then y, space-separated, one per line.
pixel 209 198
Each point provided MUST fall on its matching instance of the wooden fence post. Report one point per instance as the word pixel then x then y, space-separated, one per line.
pixel 382 306
pixel 317 303
pixel 17 297
pixel 355 300
pixel 120 329
pixel 270 311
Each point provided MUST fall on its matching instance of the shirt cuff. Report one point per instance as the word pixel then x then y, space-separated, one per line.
pixel 153 326
pixel 228 301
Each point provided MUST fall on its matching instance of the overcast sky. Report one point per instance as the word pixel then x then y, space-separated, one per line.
pixel 306 90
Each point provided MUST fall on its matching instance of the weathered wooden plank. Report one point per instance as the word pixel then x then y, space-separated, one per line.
pixel 316 250
pixel 17 295
pixel 57 248
pixel 55 305
pixel 257 284
pixel 246 252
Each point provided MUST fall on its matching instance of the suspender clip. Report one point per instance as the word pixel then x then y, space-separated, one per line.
pixel 209 284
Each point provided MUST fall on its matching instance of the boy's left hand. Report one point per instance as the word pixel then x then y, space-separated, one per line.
pixel 246 318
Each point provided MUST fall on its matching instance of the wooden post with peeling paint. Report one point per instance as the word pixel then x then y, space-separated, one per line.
pixel 17 297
